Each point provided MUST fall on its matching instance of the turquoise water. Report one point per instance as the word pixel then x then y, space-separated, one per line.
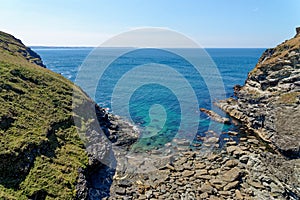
pixel 155 108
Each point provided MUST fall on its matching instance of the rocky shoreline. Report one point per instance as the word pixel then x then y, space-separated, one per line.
pixel 268 103
pixel 260 162
pixel 244 170
pixel 40 167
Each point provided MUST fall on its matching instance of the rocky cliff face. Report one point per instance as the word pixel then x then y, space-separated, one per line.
pixel 268 103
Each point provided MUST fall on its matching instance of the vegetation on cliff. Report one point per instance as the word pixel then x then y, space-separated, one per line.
pixel 40 151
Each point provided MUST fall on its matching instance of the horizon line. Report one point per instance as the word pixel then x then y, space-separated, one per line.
pixel 88 46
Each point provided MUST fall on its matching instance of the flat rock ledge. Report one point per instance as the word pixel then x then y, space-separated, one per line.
pixel 216 117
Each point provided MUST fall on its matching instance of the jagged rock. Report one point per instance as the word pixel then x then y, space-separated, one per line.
pixel 214 116
pixel 268 103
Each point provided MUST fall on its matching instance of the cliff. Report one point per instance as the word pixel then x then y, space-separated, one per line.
pixel 268 103
pixel 41 153
pixel 14 50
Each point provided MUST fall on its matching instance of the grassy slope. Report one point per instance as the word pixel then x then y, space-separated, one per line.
pixel 40 150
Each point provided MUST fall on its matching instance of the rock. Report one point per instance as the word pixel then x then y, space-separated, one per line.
pixel 253 141
pixel 206 188
pixel 204 195
pixel 217 183
pixel 231 149
pixel 212 140
pixel 231 163
pixel 170 167
pixel 148 194
pixel 213 172
pixel 212 197
pixel 231 143
pixel 125 183
pixel 200 165
pixel 212 157
pixel 275 188
pixel 233 133
pixel 205 177
pixel 181 142
pixel 232 175
pixel 255 184
pixel 225 193
pixel 238 195
pixel 120 191
pixel 244 159
pixel 231 185
pixel 187 173
pixel 201 172
pixel 214 116
pixel 162 162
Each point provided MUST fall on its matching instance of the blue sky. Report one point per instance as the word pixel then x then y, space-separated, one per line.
pixel 214 23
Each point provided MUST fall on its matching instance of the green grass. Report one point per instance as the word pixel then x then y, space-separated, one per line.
pixel 40 149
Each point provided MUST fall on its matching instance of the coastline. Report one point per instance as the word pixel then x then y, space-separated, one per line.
pixel 256 167
pixel 246 169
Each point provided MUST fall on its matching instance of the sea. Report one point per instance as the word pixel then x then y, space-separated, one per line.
pixel 158 91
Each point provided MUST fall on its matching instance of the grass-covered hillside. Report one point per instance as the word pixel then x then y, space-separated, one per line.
pixel 40 151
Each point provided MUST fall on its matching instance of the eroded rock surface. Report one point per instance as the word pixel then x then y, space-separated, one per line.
pixel 268 103
pixel 241 171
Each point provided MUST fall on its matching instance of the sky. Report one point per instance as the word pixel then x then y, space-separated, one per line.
pixel 211 23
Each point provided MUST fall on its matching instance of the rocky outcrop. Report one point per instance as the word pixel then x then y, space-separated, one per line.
pixel 214 116
pixel 268 103
pixel 95 180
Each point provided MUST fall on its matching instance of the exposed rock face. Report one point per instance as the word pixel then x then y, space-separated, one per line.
pixel 269 101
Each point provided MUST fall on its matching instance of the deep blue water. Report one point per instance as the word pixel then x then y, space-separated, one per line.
pixel 154 107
